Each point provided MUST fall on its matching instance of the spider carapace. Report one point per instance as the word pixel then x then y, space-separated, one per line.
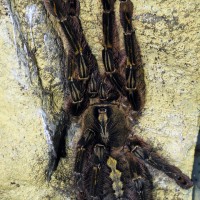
pixel 103 101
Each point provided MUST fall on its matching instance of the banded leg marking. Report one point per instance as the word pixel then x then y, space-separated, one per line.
pixel 95 176
pixel 85 141
pixel 126 12
pixel 146 153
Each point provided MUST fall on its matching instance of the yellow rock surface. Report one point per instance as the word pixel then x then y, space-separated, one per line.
pixel 168 35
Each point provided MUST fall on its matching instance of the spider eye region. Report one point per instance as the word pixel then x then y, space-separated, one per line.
pixel 103 122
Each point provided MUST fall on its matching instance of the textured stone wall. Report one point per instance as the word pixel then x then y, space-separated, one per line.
pixel 32 63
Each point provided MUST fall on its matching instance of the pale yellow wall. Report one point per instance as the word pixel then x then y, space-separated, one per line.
pixel 168 35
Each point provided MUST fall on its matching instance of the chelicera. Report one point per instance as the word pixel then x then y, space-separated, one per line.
pixel 103 101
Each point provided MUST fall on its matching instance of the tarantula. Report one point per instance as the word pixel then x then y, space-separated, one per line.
pixel 110 160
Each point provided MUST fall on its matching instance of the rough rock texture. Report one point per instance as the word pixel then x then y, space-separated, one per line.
pixel 32 65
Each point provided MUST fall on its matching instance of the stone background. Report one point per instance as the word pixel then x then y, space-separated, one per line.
pixel 32 60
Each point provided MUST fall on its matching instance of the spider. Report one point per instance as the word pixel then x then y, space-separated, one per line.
pixel 110 160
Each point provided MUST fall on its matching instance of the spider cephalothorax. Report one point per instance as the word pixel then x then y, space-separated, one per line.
pixel 110 160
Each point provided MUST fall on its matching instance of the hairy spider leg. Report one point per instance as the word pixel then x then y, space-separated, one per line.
pixel 98 183
pixel 95 178
pixel 126 13
pixel 52 6
pixel 126 84
pixel 79 97
pixel 88 74
pixel 83 82
pixel 77 85
pixel 146 153
pixel 135 176
pixel 110 65
pixel 91 171
pixel 61 9
pixel 72 28
pixel 87 140
pixel 84 147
